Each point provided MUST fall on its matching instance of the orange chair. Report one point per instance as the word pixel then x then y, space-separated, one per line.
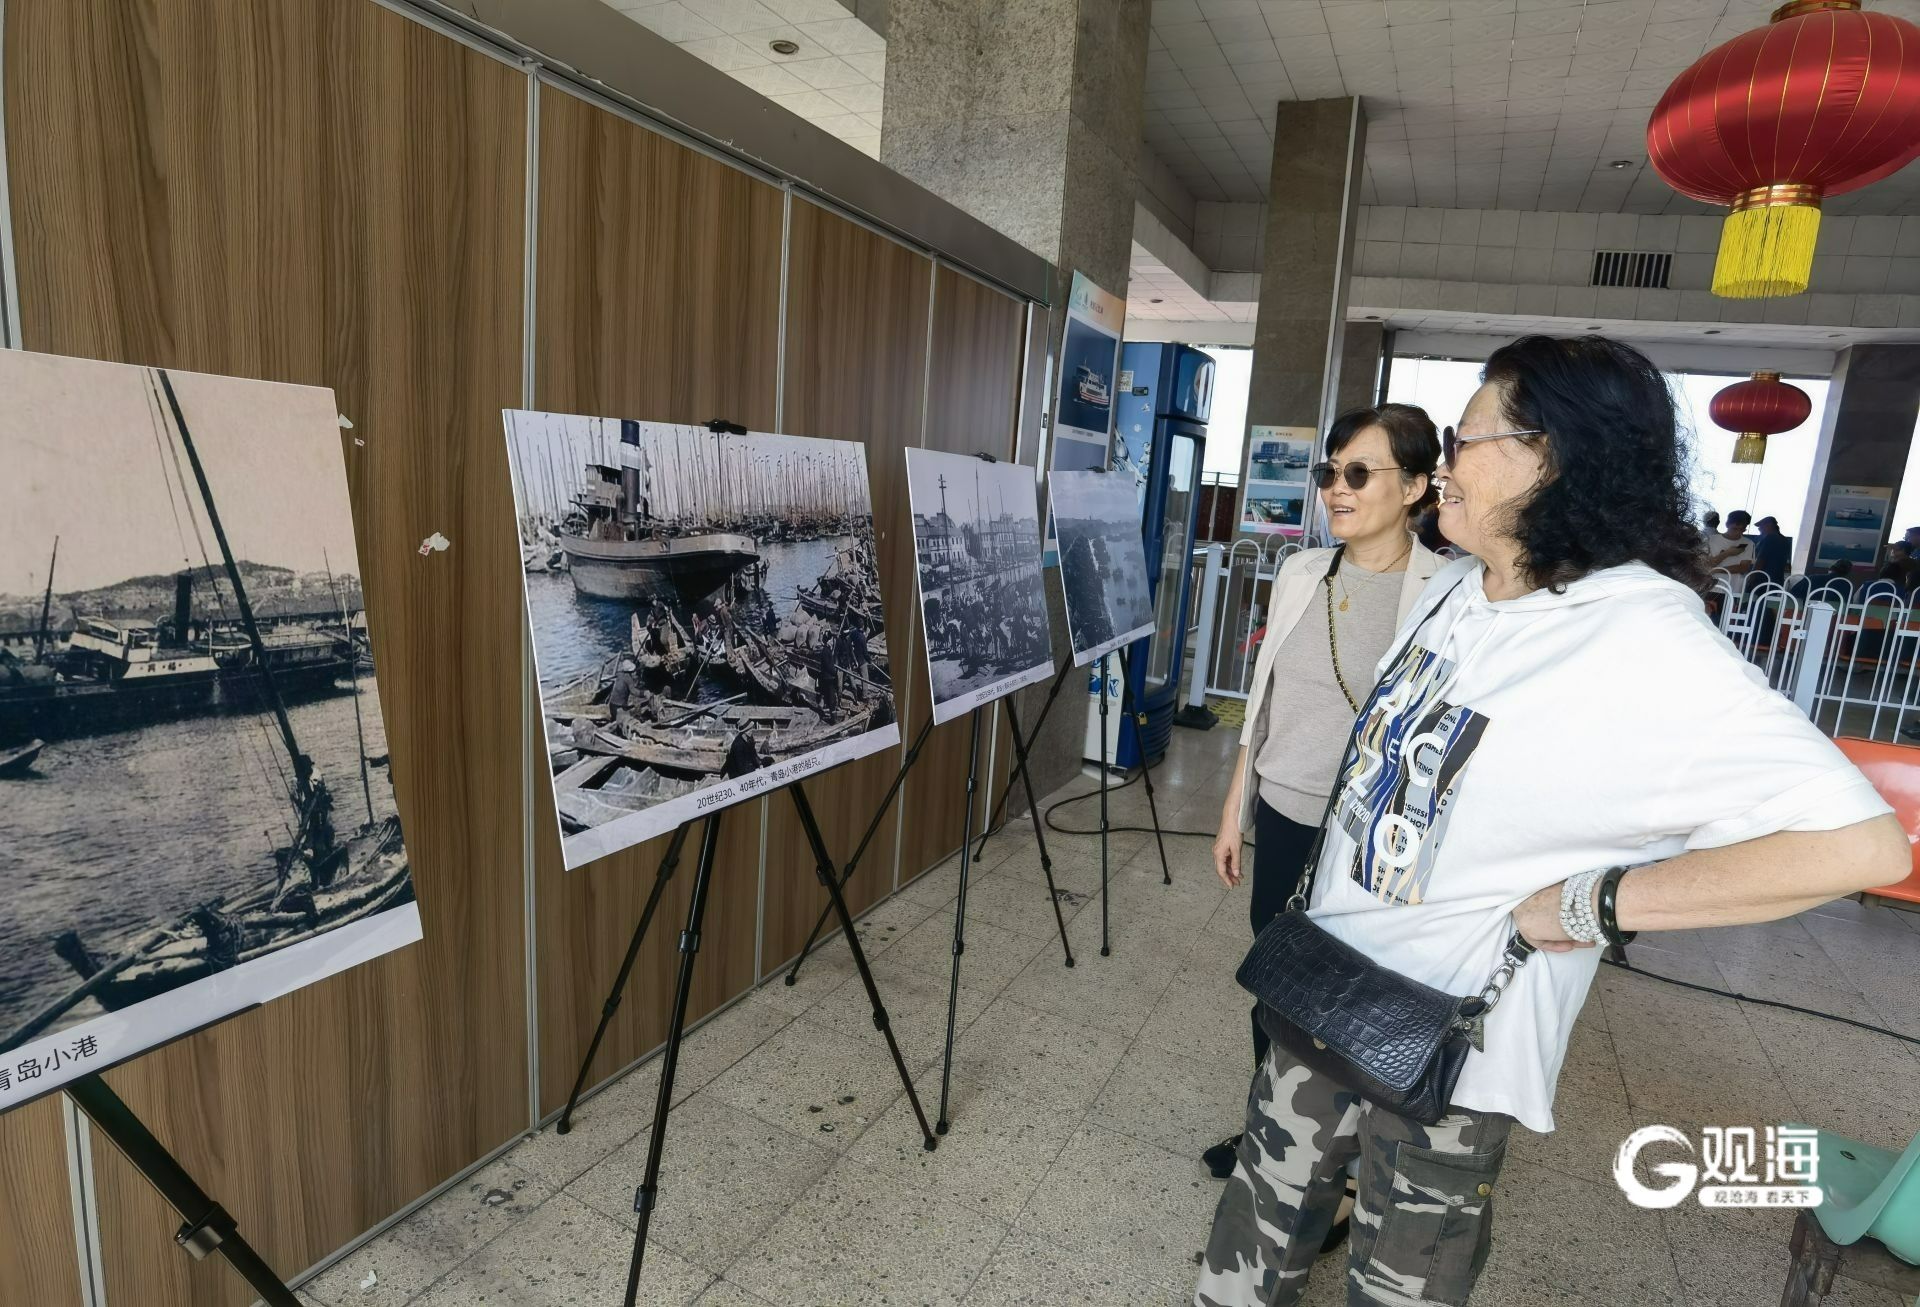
pixel 1894 770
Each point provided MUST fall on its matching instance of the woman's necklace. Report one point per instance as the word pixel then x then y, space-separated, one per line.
pixel 1345 596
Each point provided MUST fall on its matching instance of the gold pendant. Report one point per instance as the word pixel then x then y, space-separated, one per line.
pixel 1343 605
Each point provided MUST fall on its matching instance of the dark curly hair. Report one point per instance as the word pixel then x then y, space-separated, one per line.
pixel 1410 434
pixel 1616 482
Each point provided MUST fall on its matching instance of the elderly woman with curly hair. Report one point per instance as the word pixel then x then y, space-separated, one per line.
pixel 1560 748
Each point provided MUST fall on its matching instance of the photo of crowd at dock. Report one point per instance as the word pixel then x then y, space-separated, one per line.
pixel 705 606
pixel 976 538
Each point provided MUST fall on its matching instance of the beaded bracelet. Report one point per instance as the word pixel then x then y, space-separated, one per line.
pixel 1578 919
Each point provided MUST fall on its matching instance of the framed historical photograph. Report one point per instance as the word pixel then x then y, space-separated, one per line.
pixel 705 612
pixel 976 541
pixel 1103 561
pixel 195 809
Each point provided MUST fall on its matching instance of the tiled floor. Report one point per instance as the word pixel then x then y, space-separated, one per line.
pixel 794 1174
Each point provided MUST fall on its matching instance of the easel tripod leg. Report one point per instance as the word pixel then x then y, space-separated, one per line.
pixel 1053 692
pixel 1039 833
pixel 207 1228
pixel 823 868
pixel 959 924
pixel 612 1004
pixel 1106 945
pixel 899 777
pixel 1146 768
pixel 645 1197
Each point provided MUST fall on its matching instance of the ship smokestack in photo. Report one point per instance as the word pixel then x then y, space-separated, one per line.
pixel 182 602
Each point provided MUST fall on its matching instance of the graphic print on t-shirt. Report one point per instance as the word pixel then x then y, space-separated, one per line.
pixel 1399 783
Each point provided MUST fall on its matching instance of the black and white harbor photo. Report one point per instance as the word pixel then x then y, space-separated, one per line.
pixel 976 541
pixel 195 808
pixel 1103 562
pixel 706 616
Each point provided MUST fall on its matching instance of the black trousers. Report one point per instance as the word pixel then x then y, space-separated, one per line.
pixel 1280 848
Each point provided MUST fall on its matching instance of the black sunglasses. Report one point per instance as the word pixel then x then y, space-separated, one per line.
pixel 1356 474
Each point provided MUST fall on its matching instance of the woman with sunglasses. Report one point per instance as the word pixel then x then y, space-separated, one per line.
pixel 1330 617
pixel 1560 750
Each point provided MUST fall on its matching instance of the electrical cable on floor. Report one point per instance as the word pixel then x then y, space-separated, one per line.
pixel 1763 1002
pixel 1047 814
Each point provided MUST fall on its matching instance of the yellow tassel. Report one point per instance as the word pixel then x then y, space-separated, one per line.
pixel 1750 448
pixel 1766 251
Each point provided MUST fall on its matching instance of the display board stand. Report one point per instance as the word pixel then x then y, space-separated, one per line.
pixel 960 919
pixel 1146 768
pixel 646 1197
pixel 207 1227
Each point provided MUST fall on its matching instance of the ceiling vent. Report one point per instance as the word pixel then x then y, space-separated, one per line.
pixel 1631 268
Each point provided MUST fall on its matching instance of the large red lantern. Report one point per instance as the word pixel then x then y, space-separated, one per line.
pixel 1762 407
pixel 1824 100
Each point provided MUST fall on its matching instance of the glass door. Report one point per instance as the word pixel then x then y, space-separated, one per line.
pixel 1176 527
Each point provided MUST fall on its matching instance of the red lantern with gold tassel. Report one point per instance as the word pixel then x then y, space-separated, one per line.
pixel 1824 100
pixel 1762 407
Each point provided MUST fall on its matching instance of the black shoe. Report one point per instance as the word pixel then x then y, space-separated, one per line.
pixel 1219 1158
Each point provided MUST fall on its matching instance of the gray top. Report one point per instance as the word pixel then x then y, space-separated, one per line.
pixel 1309 720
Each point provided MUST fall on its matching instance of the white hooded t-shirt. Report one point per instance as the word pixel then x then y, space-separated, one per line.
pixel 1515 743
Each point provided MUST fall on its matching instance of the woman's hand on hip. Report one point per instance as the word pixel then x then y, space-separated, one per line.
pixel 1538 921
pixel 1228 852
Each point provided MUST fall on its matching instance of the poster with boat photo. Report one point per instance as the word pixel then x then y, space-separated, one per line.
pixel 1083 403
pixel 976 541
pixel 706 617
pixel 1103 562
pixel 195 808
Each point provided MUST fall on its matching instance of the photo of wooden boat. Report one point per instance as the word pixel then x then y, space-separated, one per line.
pixel 19 761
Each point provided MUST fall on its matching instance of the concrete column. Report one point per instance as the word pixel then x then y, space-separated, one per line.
pixel 1027 114
pixel 1866 432
pixel 1361 345
pixel 1313 200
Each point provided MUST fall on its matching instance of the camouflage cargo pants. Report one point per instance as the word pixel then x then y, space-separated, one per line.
pixel 1421 1225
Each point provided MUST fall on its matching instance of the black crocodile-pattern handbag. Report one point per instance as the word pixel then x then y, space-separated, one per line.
pixel 1394 1041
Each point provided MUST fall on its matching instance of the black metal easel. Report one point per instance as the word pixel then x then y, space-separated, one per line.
pixel 647 1195
pixel 207 1227
pixel 960 920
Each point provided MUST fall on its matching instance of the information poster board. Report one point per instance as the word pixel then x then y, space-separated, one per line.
pixel 1276 490
pixel 976 542
pixel 1089 368
pixel 705 612
pixel 196 812
pixel 1853 525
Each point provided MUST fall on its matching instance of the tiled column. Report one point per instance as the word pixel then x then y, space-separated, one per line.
pixel 1027 114
pixel 1313 201
pixel 1866 432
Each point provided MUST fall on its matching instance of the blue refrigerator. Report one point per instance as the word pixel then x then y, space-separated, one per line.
pixel 1163 400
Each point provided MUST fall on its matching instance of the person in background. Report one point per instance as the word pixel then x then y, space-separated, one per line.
pixel 1772 553
pixel 1330 617
pixel 1710 524
pixel 1731 549
pixel 1530 764
pixel 1898 567
pixel 1912 539
pixel 1840 577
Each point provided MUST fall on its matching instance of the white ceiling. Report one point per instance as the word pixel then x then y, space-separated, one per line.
pixel 1730 333
pixel 1510 104
pixel 834 80
pixel 1158 292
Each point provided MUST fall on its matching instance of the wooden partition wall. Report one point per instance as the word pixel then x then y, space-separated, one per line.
pixel 336 194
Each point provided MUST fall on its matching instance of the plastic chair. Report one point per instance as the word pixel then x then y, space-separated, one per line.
pixel 1894 770
pixel 1869 1192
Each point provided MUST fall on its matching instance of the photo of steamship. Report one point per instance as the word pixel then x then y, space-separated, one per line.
pixel 193 764
pixel 705 610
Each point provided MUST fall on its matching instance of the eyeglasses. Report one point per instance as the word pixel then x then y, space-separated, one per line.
pixel 1450 441
pixel 1356 474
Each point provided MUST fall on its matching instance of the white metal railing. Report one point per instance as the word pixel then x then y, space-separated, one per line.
pixel 1848 653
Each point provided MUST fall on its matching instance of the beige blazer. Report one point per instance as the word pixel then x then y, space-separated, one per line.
pixel 1294 590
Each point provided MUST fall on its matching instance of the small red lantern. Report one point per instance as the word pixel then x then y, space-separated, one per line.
pixel 1762 407
pixel 1824 100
